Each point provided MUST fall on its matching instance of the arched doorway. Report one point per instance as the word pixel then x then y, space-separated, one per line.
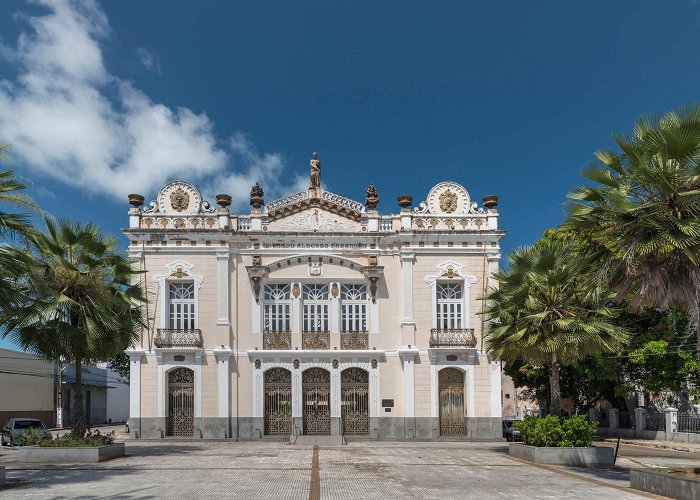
pixel 451 387
pixel 278 402
pixel 181 402
pixel 316 390
pixel 354 401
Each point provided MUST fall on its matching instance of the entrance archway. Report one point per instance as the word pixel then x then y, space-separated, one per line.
pixel 181 402
pixel 278 402
pixel 316 390
pixel 451 387
pixel 354 401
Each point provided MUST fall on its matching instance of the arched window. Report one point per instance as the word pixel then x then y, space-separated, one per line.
pixel 449 306
pixel 182 305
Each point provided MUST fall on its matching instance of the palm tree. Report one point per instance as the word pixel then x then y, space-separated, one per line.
pixel 545 312
pixel 77 301
pixel 643 214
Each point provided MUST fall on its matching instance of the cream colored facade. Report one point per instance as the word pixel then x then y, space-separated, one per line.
pixel 314 314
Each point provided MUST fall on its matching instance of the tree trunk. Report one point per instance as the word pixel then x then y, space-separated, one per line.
pixel 78 407
pixel 555 391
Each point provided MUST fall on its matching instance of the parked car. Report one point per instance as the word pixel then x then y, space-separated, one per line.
pixel 16 426
pixel 510 432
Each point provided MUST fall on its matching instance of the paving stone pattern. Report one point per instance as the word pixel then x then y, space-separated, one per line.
pixel 252 470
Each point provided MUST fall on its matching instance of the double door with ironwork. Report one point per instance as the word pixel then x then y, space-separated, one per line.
pixel 181 402
pixel 316 401
pixel 451 387
pixel 354 401
pixel 278 402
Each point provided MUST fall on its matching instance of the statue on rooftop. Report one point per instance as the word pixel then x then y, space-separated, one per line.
pixel 315 171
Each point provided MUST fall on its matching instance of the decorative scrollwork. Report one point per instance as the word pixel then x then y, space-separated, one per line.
pixel 278 376
pixel 354 376
pixel 343 201
pixel 181 376
pixel 452 337
pixel 316 376
pixel 169 337
pixel 287 200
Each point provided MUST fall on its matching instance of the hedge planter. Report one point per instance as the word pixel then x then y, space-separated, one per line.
pixel 663 483
pixel 577 457
pixel 71 455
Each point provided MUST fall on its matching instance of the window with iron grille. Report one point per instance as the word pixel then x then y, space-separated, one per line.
pixel 449 306
pixel 353 308
pixel 181 305
pixel 316 301
pixel 277 305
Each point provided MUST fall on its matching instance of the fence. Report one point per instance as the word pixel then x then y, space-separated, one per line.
pixel 655 422
pixel 688 422
pixel 626 421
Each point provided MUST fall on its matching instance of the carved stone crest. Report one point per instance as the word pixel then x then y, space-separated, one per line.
pixel 448 202
pixel 296 290
pixel 179 273
pixel 257 364
pixel 334 290
pixel 374 363
pixel 335 364
pixel 296 364
pixel 315 269
pixel 179 200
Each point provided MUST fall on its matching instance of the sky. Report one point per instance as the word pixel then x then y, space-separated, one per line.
pixel 512 98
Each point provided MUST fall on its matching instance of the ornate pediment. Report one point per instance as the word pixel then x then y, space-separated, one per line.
pixel 448 198
pixel 179 198
pixel 314 210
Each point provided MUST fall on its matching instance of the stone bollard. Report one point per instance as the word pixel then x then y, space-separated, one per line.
pixel 640 420
pixel 671 419
pixel 592 417
pixel 613 420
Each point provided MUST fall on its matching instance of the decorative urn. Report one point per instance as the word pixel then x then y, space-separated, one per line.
pixel 372 198
pixel 136 200
pixel 224 200
pixel 490 201
pixel 405 200
pixel 256 196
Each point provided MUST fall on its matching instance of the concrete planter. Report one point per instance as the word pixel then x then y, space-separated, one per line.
pixel 578 457
pixel 71 455
pixel 2 476
pixel 663 483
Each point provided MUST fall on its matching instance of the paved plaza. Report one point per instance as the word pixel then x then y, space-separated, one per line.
pixel 370 470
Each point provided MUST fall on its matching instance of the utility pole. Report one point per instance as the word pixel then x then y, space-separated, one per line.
pixel 59 396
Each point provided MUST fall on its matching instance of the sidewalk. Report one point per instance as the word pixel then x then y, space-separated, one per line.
pixel 652 443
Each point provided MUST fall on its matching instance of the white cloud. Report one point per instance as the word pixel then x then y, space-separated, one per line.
pixel 62 124
pixel 150 61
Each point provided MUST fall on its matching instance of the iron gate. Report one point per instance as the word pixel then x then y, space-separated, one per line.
pixel 451 386
pixel 278 402
pixel 181 402
pixel 354 401
pixel 316 388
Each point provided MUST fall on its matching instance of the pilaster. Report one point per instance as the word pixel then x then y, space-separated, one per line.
pixel 223 257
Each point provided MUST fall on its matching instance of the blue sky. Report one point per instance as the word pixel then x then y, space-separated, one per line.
pixel 507 98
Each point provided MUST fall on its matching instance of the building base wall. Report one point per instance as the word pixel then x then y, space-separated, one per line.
pixel 380 428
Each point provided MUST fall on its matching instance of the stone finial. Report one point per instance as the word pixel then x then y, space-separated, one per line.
pixel 136 200
pixel 405 200
pixel 224 200
pixel 490 201
pixel 256 196
pixel 315 171
pixel 372 198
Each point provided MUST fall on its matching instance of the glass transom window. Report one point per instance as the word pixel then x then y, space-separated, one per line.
pixel 316 299
pixel 181 306
pixel 353 308
pixel 449 305
pixel 277 305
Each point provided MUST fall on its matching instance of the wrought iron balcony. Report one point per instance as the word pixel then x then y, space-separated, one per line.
pixel 277 339
pixel 316 340
pixel 463 337
pixel 354 340
pixel 178 337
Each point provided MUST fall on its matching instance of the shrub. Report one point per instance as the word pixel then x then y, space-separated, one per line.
pixel 553 431
pixel 32 437
pixel 69 441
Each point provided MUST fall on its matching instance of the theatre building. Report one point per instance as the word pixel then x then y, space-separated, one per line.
pixel 313 314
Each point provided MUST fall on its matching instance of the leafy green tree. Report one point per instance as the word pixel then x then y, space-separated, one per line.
pixel 643 214
pixel 546 313
pixel 78 301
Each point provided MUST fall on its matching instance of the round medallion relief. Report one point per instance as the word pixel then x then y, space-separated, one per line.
pixel 448 198
pixel 179 197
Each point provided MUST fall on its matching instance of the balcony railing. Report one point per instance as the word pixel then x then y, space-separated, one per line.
pixel 354 340
pixel 277 340
pixel 174 337
pixel 463 337
pixel 316 340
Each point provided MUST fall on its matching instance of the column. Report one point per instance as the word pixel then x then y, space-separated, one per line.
pixel 222 358
pixel 640 419
pixel 335 401
pixel 297 413
pixel 408 325
pixel 496 403
pixel 134 392
pixel 408 383
pixel 671 418
pixel 613 419
pixel 222 260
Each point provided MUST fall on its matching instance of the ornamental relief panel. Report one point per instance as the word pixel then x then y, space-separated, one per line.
pixel 315 220
pixel 179 198
pixel 448 198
